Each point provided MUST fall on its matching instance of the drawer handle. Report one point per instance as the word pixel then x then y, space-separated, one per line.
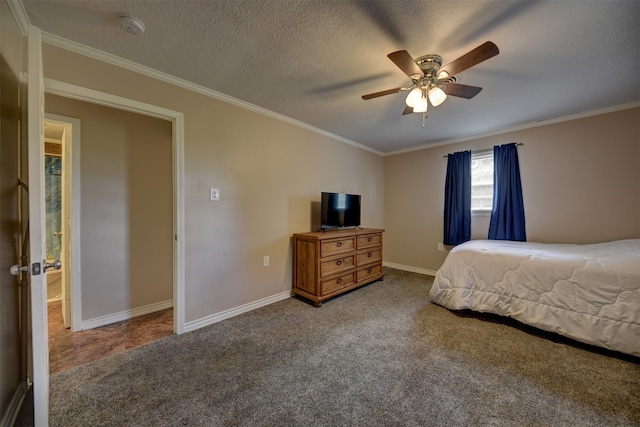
pixel 339 262
pixel 339 244
pixel 369 239
pixel 369 254
pixel 339 280
pixel 369 270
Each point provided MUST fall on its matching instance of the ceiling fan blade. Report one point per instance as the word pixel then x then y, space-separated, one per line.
pixel 382 93
pixel 481 53
pixel 462 91
pixel 407 110
pixel 405 62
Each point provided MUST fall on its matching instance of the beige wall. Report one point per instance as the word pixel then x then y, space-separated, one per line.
pixel 580 180
pixel 126 207
pixel 269 173
pixel 12 371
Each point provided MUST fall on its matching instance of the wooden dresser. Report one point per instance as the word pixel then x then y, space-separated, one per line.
pixel 328 263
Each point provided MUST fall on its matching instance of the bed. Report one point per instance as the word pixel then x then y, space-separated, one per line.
pixel 590 293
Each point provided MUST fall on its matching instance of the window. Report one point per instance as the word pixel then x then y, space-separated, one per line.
pixel 482 181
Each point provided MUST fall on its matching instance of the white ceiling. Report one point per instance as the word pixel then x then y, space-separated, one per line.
pixel 311 60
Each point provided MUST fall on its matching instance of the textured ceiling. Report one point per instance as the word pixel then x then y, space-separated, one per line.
pixel 312 60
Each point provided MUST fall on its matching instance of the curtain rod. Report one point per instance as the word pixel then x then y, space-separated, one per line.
pixel 486 149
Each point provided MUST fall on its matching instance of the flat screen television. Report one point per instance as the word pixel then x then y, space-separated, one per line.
pixel 339 210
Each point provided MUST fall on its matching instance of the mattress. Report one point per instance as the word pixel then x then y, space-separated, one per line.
pixel 590 293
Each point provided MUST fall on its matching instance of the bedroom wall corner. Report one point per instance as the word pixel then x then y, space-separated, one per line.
pixel 581 184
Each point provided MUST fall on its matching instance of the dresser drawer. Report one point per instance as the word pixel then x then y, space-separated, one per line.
pixel 337 246
pixel 369 240
pixel 366 273
pixel 369 256
pixel 335 284
pixel 337 264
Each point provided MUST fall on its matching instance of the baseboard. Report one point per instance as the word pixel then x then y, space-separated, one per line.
pixel 13 409
pixel 409 268
pixel 125 315
pixel 214 318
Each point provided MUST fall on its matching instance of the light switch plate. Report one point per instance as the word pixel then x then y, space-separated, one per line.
pixel 214 195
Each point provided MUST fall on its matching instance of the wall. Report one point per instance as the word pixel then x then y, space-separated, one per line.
pixel 270 174
pixel 12 361
pixel 580 180
pixel 126 207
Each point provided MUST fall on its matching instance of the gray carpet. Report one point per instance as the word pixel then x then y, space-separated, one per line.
pixel 380 355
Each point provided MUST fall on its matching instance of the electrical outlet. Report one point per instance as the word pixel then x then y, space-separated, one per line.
pixel 265 261
pixel 440 247
pixel 214 194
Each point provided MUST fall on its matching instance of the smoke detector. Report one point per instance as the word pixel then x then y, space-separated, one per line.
pixel 131 24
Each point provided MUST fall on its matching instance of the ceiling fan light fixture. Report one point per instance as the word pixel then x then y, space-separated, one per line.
pixel 433 83
pixel 414 97
pixel 437 96
pixel 421 106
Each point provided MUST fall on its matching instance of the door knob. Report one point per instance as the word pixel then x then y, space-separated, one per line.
pixel 16 269
pixel 56 265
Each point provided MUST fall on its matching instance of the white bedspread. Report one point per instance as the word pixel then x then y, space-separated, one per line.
pixel 590 293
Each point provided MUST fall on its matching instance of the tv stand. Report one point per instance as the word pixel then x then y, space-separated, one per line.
pixel 325 229
pixel 326 265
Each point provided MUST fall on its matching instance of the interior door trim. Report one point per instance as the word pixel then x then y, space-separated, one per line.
pixel 72 157
pixel 38 291
pixel 68 90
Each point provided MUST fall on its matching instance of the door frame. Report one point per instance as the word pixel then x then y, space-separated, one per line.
pixel 71 233
pixel 37 281
pixel 68 90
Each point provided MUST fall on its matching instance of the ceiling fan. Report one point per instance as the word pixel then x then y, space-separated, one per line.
pixel 431 82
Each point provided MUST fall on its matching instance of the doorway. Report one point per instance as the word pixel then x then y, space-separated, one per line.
pixel 176 119
pixel 126 224
pixel 58 136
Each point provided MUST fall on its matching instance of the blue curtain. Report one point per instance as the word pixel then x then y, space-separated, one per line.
pixel 457 199
pixel 507 215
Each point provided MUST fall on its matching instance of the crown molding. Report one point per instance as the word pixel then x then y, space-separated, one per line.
pixel 523 126
pixel 20 15
pixel 606 110
pixel 167 78
pixel 23 22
